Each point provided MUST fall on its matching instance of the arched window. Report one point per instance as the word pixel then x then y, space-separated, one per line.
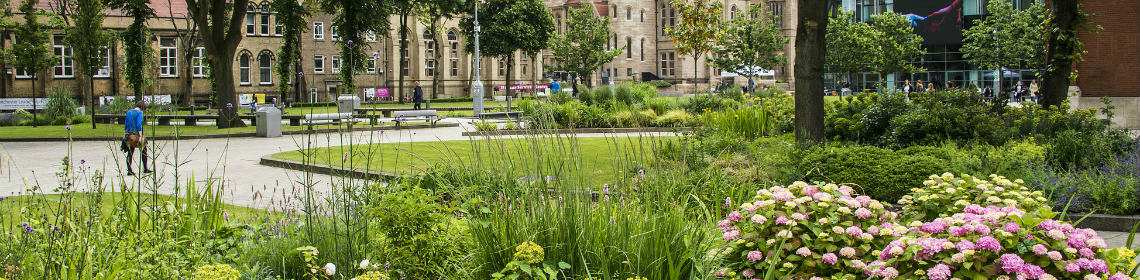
pixel 732 12
pixel 642 49
pixel 251 20
pixel 628 13
pixel 265 68
pixel 265 18
pixel 243 69
pixel 628 47
pixel 429 53
pixel 453 52
pixel 613 11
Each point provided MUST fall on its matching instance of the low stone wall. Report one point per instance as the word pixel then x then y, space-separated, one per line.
pixel 1126 114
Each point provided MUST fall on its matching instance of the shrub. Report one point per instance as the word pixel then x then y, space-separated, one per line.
pixel 529 263
pixel 945 195
pixel 660 83
pixel 415 234
pixel 985 242
pixel 804 231
pixel 881 173
pixel 61 106
pixel 1114 189
pixel 216 272
pixel 705 103
pixel 673 118
pixel 749 122
pixel 659 105
pixel 485 126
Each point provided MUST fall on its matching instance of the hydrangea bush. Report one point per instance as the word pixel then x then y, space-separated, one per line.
pixel 999 243
pixel 947 194
pixel 215 272
pixel 802 231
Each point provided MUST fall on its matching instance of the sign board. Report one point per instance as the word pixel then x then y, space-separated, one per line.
pixel 21 103
pixel 383 93
pixel 150 99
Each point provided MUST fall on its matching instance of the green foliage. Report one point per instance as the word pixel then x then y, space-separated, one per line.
pixel 528 264
pixel 216 272
pixel 485 126
pixel 946 194
pixel 750 42
pixel 899 45
pixel 353 19
pixel 136 43
pixel 852 46
pixel 703 103
pixel 291 28
pixel 414 233
pixel 698 28
pixel 749 122
pixel 881 173
pixel 1113 189
pixel 581 48
pixel 32 51
pixel 61 106
pixel 87 37
pixel 1006 37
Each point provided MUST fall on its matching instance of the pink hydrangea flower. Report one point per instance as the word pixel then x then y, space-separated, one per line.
pixel 939 272
pixel 735 216
pixel 748 273
pixel 759 219
pixel 1012 227
pixel 989 243
pixel 847 252
pixel 1054 255
pixel 803 252
pixel 1040 249
pixel 830 258
pixel 1011 263
pixel 755 256
pixel 862 213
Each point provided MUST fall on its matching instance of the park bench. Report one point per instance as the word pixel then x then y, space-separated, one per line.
pixel 499 115
pixel 311 119
pixel 431 116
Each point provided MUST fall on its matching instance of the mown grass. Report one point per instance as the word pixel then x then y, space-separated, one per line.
pixel 81 131
pixel 23 208
pixel 597 160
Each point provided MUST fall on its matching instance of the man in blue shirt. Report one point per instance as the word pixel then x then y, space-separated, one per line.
pixel 554 86
pixel 133 137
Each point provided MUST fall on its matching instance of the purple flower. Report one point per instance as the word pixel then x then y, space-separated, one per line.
pixel 1040 249
pixel 755 256
pixel 965 245
pixel 735 216
pixel 989 243
pixel 930 246
pixel 1032 271
pixel 939 272
pixel 1119 276
pixel 731 235
pixel 27 228
pixel 1011 263
pixel 1072 267
pixel 1012 227
pixel 748 273
pixel 937 226
pixel 854 231
pixel 830 258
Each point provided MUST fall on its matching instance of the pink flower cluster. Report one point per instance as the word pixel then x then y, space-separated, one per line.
pixel 986 240
pixel 836 222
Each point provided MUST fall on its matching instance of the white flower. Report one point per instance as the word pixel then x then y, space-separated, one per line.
pixel 364 264
pixel 330 269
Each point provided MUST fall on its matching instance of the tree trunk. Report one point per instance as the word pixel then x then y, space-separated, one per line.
pixel 810 50
pixel 696 58
pixel 35 103
pixel 91 100
pixel 403 51
pixel 510 79
pixel 188 78
pixel 225 95
pixel 1059 52
pixel 436 78
pixel 4 77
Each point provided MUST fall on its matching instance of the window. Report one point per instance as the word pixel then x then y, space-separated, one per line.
pixel 558 21
pixel 667 64
pixel 502 67
pixel 319 64
pixel 429 54
pixel 629 72
pixel 642 50
pixel 265 19
pixel 250 22
pixel 105 71
pixel 278 26
pixel 335 35
pixel 523 66
pixel 641 18
pixel 777 9
pixel 167 57
pixel 613 11
pixel 336 64
pixel 318 31
pixel 265 68
pixel 628 48
pixel 22 73
pixel 65 66
pixel 243 69
pixel 972 7
pixel 198 62
pixel 732 12
pixel 370 65
pixel 405 61
pixel 628 13
pixel 453 55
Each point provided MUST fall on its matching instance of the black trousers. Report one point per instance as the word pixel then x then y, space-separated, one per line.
pixel 416 105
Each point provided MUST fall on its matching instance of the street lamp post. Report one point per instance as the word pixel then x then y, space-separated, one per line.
pixel 477 85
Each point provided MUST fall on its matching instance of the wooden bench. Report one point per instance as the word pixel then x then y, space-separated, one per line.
pixel 431 116
pixel 334 117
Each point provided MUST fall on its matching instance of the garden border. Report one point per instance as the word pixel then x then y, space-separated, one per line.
pixel 1103 222
pixel 325 169
pixel 227 135
pixel 576 131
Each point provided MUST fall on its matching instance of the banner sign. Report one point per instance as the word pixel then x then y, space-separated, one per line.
pixel 150 99
pixel 524 87
pixel 21 103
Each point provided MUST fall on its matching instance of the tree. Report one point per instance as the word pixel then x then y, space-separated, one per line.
pixel 31 50
pixel 811 48
pixel 89 45
pixel 353 19
pixel 219 25
pixel 292 15
pixel 697 32
pixel 1062 49
pixel 852 46
pixel 511 25
pixel 404 8
pixel 136 43
pixel 433 12
pixel 6 25
pixel 582 48
pixel 750 43
pixel 1006 38
pixel 899 46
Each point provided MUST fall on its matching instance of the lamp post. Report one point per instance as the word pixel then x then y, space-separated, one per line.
pixel 477 85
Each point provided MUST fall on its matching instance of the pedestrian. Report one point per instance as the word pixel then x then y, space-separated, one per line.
pixel 133 137
pixel 919 86
pixel 845 90
pixel 417 96
pixel 555 87
pixel 988 93
pixel 1033 90
pixel 906 87
pixel 1019 92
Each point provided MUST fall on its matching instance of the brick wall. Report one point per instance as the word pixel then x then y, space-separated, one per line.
pixel 1112 64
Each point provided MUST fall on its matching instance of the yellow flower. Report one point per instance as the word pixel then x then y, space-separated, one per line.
pixel 529 252
pixel 216 272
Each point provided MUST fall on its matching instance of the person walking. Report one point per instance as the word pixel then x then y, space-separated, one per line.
pixel 919 86
pixel 133 137
pixel 1033 88
pixel 555 87
pixel 417 96
pixel 930 87
pixel 906 88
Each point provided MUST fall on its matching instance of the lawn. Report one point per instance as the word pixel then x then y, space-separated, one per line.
pixel 597 160
pixel 80 131
pixel 35 208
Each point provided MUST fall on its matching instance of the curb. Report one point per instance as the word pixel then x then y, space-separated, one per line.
pixel 1102 222
pixel 576 131
pixel 217 136
pixel 326 170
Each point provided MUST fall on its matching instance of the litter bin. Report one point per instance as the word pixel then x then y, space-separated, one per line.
pixel 347 104
pixel 268 121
